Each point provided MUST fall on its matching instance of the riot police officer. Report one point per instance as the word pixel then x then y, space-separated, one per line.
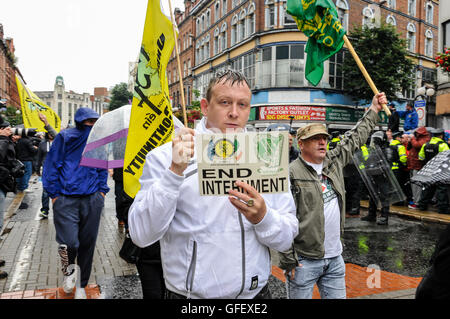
pixel 372 166
pixel 427 152
pixel 398 159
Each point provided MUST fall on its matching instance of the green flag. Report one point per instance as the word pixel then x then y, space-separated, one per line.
pixel 318 20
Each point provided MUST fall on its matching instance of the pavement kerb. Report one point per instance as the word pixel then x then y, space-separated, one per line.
pixel 424 216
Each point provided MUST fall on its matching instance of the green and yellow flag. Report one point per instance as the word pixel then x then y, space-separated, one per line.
pixel 151 123
pixel 318 20
pixel 31 106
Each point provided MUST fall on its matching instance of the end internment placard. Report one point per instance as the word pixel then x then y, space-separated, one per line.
pixel 259 159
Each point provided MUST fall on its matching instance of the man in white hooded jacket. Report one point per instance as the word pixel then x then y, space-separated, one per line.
pixel 218 246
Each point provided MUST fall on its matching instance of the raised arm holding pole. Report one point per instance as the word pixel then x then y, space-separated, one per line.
pixel 364 72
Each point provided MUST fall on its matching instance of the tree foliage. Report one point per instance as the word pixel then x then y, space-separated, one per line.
pixel 384 55
pixel 11 115
pixel 120 96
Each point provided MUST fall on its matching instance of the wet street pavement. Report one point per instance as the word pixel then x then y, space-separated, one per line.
pixel 400 252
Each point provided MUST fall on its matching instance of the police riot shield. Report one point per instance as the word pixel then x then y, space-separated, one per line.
pixel 378 177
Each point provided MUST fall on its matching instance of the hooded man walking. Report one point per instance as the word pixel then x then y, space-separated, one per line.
pixel 77 194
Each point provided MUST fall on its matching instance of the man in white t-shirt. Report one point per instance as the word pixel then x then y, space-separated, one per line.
pixel 318 188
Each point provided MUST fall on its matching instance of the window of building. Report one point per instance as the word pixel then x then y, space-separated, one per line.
pixel 429 75
pixel 60 110
pixel 224 7
pixel 429 43
pixel 198 26
pixel 241 25
pixel 446 34
pixel 59 96
pixel 335 71
pixel 270 15
pixel 390 19
pixel 429 12
pixel 246 64
pixel 217 11
pixel 169 77
pixel 251 19
pixel 184 69
pixel 234 37
pixel 282 66
pixel 216 41
pixel 203 25
pixel 286 17
pixel 208 18
pixel 70 112
pixel 343 9
pixel 411 37
pixel 368 17
pixel 234 3
pixel 223 32
pixel 412 7
pixel 391 4
pixel 189 67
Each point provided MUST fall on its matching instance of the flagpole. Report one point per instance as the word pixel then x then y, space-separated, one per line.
pixel 364 72
pixel 183 105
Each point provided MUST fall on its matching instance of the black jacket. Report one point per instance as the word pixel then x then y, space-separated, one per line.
pixel 7 155
pixel 25 149
pixel 394 121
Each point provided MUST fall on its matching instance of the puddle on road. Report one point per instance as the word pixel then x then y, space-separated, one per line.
pixel 403 247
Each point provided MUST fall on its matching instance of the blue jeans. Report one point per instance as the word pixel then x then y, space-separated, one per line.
pixel 327 273
pixel 22 182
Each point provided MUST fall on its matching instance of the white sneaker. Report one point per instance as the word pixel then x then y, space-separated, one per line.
pixel 69 282
pixel 80 293
pixel 28 190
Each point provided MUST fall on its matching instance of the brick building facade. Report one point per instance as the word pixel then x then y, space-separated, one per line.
pixel 186 52
pixel 9 95
pixel 258 38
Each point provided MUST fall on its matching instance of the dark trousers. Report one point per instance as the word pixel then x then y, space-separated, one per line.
pixel 152 279
pixel 403 180
pixel 353 187
pixel 121 204
pixel 45 200
pixel 22 182
pixel 382 191
pixel 77 220
pixel 441 196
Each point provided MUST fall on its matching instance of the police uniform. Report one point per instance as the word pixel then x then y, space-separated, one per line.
pixel 427 152
pixel 398 159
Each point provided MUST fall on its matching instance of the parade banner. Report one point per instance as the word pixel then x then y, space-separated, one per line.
pixel 259 159
pixel 31 106
pixel 318 20
pixel 151 123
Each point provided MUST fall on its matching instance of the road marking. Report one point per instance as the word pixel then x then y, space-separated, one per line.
pixel 22 265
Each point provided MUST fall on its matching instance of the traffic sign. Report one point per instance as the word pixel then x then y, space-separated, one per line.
pixel 420 103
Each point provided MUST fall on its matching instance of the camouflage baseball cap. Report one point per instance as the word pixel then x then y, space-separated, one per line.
pixel 311 130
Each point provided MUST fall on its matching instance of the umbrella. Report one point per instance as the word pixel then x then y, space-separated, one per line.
pixel 105 146
pixel 435 172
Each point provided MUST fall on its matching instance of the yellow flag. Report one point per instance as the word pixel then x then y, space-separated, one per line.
pixel 31 106
pixel 151 123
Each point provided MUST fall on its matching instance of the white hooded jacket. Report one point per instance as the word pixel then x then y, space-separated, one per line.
pixel 208 248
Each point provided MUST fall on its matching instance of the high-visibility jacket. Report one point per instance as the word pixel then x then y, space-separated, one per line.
pixel 333 143
pixel 432 148
pixel 400 157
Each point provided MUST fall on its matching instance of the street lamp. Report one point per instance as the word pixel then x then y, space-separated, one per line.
pixel 425 93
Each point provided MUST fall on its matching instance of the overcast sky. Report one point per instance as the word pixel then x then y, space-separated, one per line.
pixel 88 42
